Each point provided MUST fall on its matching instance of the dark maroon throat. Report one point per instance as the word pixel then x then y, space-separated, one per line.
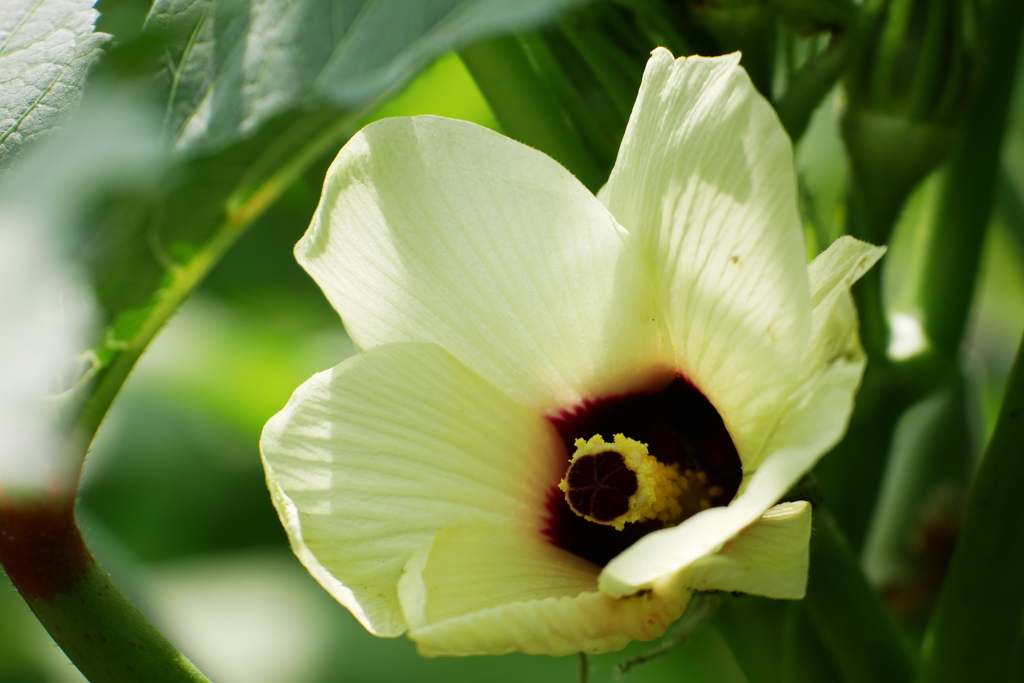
pixel 679 426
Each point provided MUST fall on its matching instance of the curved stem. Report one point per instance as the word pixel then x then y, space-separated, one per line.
pixel 41 548
pixel 99 629
pixel 241 212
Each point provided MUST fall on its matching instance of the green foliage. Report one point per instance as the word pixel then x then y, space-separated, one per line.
pixel 232 66
pixel 46 49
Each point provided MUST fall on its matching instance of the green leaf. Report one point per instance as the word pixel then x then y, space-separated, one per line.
pixel 975 630
pixel 239 63
pixel 46 47
pixel 851 620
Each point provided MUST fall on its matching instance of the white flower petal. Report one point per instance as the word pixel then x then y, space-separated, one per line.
pixel 470 567
pixel 431 229
pixel 835 270
pixel 368 460
pixel 769 557
pixel 814 418
pixel 822 400
pixel 491 590
pixel 704 183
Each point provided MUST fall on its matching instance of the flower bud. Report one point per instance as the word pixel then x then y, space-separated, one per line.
pixel 906 92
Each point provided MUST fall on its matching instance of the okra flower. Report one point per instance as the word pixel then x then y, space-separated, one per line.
pixel 571 411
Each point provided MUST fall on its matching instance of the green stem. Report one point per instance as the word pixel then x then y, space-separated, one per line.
pixel 241 212
pixel 860 634
pixel 809 85
pixel 99 629
pixel 816 78
pixel 891 45
pixel 526 107
pixel 853 473
pixel 974 632
pixel 41 548
pixel 951 267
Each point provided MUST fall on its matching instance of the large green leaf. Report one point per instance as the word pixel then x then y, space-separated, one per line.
pixel 255 92
pixel 46 47
pixel 238 63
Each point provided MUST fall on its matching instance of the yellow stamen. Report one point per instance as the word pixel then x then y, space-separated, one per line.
pixel 600 487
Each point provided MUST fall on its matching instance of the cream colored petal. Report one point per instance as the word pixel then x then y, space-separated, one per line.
pixel 814 418
pixel 470 567
pixel 836 269
pixel 491 590
pixel 705 184
pixel 436 230
pixel 822 399
pixel 591 622
pixel 368 460
pixel 769 557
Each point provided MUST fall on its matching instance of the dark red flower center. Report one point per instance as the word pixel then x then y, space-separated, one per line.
pixel 679 426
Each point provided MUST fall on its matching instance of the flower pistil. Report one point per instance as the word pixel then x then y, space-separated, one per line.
pixel 620 482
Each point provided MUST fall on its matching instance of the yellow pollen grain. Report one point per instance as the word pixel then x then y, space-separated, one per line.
pixel 659 486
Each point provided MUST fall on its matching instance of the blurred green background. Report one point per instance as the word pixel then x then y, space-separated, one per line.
pixel 174 504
